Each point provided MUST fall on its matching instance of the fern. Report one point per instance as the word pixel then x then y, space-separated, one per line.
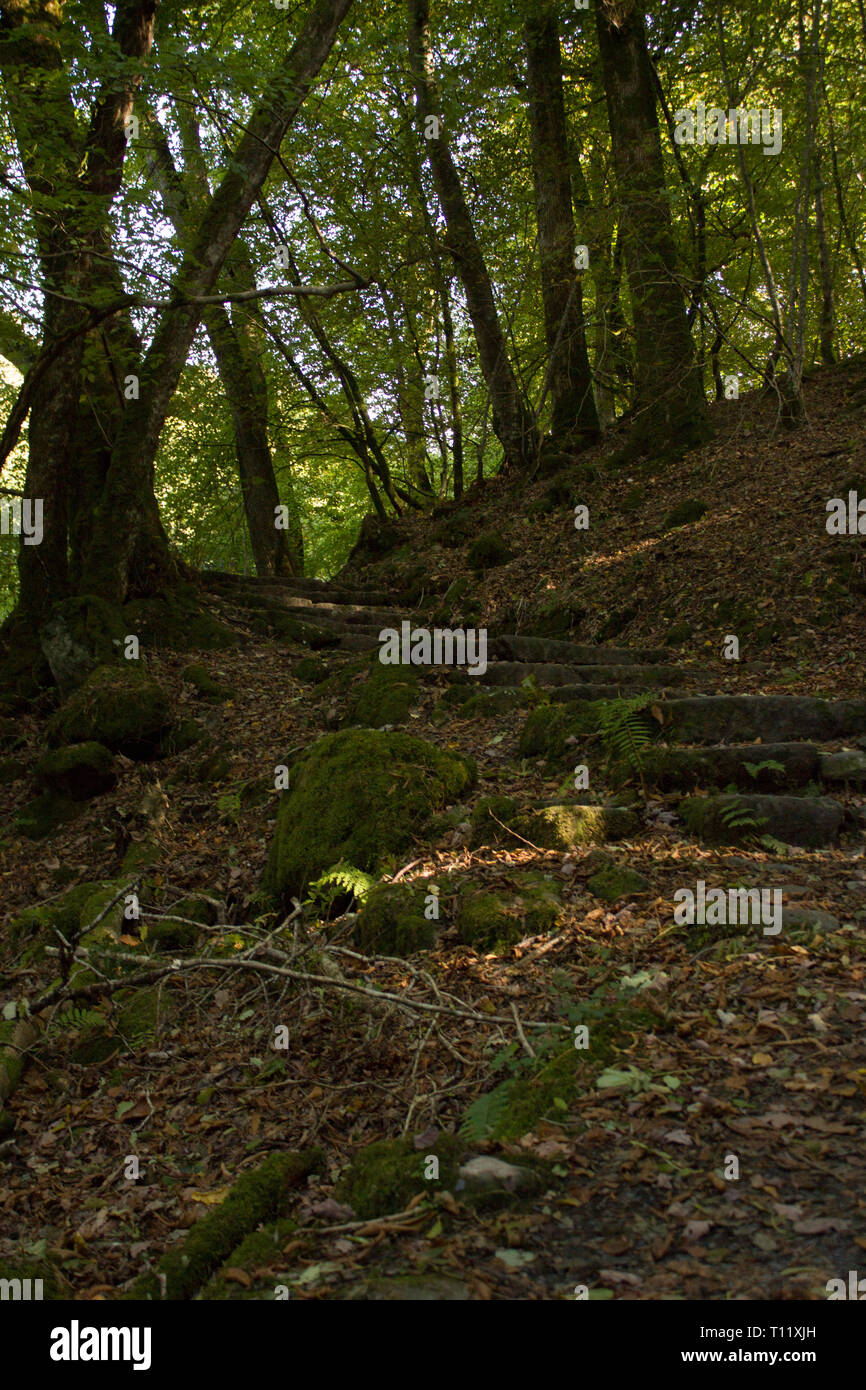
pixel 75 1019
pixel 484 1114
pixel 625 733
pixel 736 816
pixel 768 765
pixel 339 879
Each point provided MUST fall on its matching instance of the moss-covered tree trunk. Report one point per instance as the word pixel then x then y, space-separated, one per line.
pixel 568 373
pixel 513 421
pixel 669 398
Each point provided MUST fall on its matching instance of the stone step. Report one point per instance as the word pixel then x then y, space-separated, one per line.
pixel 344 613
pixel 551 674
pixel 672 769
pixel 782 718
pixel 807 821
pixel 568 694
pixel 518 648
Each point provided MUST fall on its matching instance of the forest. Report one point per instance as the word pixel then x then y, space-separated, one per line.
pixel 432 708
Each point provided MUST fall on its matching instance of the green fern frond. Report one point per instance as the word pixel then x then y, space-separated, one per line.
pixel 626 732
pixel 340 878
pixel 484 1114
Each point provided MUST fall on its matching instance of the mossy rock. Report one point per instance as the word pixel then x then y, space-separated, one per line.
pixel 302 633
pixel 63 913
pixel 487 815
pixel 44 815
pixel 209 689
pixel 141 854
pixel 117 706
pixel 259 1196
pixel 113 924
pixel 689 510
pixel 616 622
pixel 259 1250
pixel 549 727
pixel 12 770
pixel 311 670
pixel 385 1176
pixel 139 1017
pixel 616 881
pixel 569 826
pixel 179 938
pixel 488 551
pixel 494 921
pixel 79 771
pixel 392 921
pixel 80 634
pixel 186 733
pixel 386 697
pixel 177 623
pixel 358 796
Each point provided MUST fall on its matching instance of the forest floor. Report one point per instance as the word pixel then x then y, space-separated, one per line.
pixel 760 1051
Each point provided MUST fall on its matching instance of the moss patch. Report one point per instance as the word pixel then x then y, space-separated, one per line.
pixel 393 922
pixel 493 921
pixel 386 697
pixel 488 551
pixel 177 623
pixel 80 771
pixel 617 881
pixel 117 706
pixel 548 727
pixel 358 796
pixel 384 1177
pixel 689 510
pixel 257 1196
pixel 209 689
pixel 567 827
pixel 45 814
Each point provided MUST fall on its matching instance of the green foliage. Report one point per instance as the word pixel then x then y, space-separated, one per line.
pixel 335 882
pixel 736 816
pixel 626 731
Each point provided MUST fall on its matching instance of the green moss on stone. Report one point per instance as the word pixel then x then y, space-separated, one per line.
pixel 118 706
pixel 45 814
pixel 494 921
pixel 209 689
pixel 177 623
pixel 311 670
pixel 80 771
pixel 568 827
pixel 358 796
pixel 384 1177
pixel 386 697
pixel 260 1250
pixel 258 1196
pixel 392 921
pixel 548 727
pixel 617 881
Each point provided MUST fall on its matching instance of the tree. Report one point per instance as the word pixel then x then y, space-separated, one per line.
pixel 512 419
pixel 670 405
pixel 568 374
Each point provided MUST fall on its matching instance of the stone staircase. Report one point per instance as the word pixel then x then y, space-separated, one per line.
pixel 739 764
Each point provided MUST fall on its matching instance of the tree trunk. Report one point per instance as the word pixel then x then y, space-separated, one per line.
pixel 671 409
pixel 127 553
pixel 512 420
pixel 568 373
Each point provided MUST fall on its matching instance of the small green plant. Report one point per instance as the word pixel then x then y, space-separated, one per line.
pixel 736 816
pixel 484 1114
pixel 229 807
pixel 335 882
pixel 768 765
pixel 626 732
